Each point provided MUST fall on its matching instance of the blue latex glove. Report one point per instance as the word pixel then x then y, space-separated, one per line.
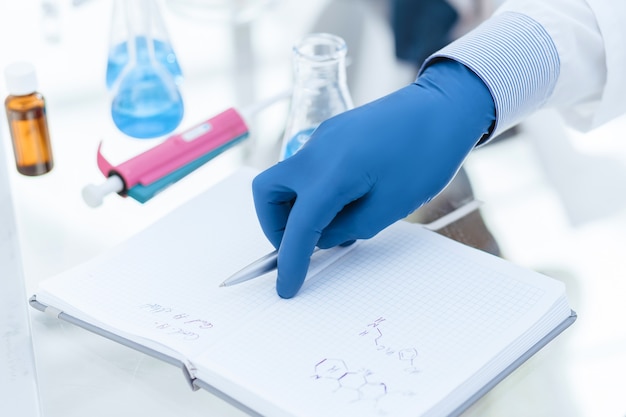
pixel 368 167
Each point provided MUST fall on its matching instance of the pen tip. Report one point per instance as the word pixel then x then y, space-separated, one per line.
pixel 222 285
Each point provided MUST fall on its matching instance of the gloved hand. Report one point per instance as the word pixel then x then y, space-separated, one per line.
pixel 368 167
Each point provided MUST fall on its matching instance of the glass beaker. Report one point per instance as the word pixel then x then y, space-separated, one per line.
pixel 143 73
pixel 320 90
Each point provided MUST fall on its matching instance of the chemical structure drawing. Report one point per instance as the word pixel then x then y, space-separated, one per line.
pixel 354 385
pixel 408 355
pixel 359 386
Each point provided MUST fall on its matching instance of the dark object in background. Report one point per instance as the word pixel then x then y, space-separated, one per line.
pixel 421 27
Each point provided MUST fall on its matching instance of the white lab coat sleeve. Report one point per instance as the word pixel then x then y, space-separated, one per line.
pixel 564 54
pixel 611 18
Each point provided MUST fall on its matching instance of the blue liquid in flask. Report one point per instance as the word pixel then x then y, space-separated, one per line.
pixel 147 103
pixel 163 54
pixel 297 141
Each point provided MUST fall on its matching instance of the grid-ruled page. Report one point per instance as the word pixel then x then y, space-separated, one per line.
pixel 390 329
pixel 163 284
pixel 389 326
pixel 161 287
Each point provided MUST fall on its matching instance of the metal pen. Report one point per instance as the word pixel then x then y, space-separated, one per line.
pixel 269 262
pixel 257 268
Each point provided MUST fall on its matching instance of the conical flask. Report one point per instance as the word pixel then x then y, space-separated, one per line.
pixel 142 71
pixel 320 90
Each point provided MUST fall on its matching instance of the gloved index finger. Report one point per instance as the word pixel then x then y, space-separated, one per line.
pixel 308 217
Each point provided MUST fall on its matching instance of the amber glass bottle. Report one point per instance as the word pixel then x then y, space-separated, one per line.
pixel 26 113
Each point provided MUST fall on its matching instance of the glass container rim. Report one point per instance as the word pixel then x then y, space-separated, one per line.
pixel 337 47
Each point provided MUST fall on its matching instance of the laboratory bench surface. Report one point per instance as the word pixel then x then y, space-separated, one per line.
pixel 552 197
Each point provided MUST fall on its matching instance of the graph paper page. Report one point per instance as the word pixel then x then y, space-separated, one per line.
pixel 391 329
pixel 161 287
pixel 163 284
pixel 395 325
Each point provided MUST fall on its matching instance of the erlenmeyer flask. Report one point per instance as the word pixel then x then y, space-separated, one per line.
pixel 320 90
pixel 142 71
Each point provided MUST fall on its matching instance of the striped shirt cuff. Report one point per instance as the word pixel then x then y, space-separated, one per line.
pixel 517 60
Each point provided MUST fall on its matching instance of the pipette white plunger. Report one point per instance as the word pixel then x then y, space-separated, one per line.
pixel 94 194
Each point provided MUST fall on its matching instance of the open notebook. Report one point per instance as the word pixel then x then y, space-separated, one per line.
pixel 406 323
